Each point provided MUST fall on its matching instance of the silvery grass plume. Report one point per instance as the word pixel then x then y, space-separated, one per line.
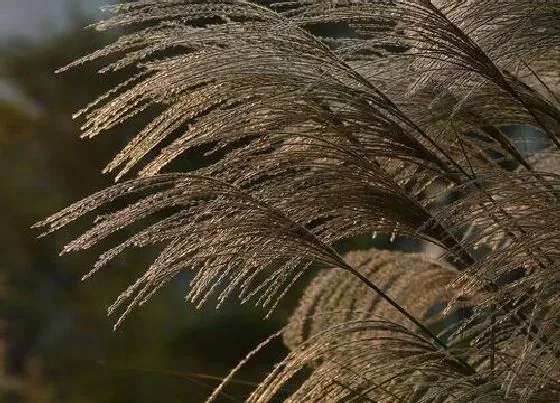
pixel 326 120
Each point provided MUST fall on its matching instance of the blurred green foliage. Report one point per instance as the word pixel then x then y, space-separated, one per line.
pixel 59 344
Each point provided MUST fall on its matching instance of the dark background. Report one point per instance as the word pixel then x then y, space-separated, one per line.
pixel 56 342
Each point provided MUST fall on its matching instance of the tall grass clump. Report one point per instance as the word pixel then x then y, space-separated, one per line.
pixel 321 121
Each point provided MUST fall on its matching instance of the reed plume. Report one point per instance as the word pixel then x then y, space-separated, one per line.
pixel 325 120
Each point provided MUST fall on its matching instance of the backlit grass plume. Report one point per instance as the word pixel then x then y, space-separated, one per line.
pixel 321 121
